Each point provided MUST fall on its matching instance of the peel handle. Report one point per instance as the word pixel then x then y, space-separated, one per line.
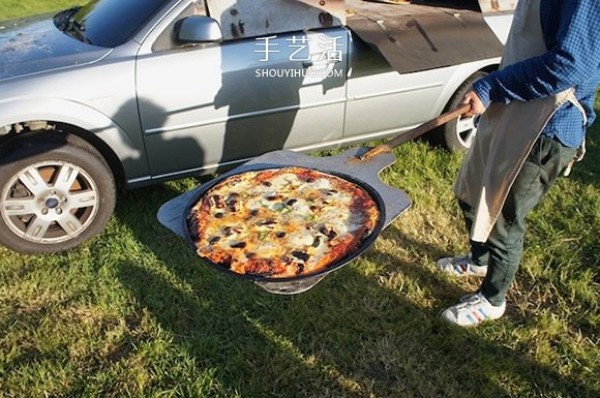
pixel 416 132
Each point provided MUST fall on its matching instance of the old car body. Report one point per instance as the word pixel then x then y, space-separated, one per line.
pixel 179 94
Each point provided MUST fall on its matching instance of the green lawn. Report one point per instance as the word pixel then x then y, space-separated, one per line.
pixel 134 313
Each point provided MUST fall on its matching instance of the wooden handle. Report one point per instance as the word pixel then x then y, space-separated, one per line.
pixel 416 132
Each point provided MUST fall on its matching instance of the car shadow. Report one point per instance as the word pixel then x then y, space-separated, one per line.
pixel 250 132
pixel 329 341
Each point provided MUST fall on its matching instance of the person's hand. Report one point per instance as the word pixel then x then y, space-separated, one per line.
pixel 477 107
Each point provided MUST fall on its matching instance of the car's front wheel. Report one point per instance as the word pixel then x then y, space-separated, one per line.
pixel 55 193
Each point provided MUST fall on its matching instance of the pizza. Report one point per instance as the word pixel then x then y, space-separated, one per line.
pixel 280 223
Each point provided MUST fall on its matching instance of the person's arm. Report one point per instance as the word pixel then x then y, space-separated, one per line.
pixel 576 55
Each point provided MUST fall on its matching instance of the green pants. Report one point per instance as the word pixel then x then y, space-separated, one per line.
pixel 503 250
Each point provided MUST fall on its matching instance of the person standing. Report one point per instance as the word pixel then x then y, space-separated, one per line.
pixel 534 114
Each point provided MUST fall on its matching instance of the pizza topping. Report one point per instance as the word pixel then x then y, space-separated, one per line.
pixel 301 255
pixel 328 232
pixel 281 222
pixel 217 201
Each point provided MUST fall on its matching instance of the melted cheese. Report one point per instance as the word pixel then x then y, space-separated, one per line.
pixel 287 219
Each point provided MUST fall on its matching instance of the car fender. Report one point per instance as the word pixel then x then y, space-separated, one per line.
pixel 460 75
pixel 128 149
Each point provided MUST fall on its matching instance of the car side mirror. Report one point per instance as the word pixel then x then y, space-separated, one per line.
pixel 198 29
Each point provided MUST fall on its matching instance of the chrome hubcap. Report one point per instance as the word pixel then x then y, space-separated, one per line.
pixel 49 202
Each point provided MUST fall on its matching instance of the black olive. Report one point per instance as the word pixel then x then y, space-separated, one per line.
pixel 268 222
pixel 300 269
pixel 301 255
pixel 250 256
pixel 291 202
pixel 254 213
pixel 272 197
pixel 214 240
pixel 280 234
pixel 329 233
pixel 310 179
pixel 313 208
pixel 239 245
pixel 219 215
pixel 266 183
pixel 316 242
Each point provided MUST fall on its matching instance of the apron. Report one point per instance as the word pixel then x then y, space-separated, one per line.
pixel 506 133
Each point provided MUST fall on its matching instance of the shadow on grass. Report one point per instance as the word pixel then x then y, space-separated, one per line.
pixel 349 336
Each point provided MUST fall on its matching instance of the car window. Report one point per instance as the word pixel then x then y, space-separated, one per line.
pixel 167 40
pixel 107 23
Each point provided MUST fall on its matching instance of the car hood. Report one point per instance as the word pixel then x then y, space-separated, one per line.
pixel 35 44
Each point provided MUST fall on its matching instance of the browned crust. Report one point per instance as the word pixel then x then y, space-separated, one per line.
pixel 200 217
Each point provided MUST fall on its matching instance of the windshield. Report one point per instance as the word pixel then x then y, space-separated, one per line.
pixel 107 23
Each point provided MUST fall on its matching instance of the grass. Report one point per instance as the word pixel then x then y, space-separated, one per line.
pixel 134 313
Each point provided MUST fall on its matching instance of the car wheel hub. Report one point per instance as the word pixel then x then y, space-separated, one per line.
pixel 50 202
pixel 466 131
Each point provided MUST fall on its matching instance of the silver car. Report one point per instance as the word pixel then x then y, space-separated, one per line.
pixel 132 93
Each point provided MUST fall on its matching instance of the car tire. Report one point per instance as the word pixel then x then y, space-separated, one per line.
pixel 56 192
pixel 458 134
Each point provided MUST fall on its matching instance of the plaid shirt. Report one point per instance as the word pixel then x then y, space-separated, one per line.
pixel 572 36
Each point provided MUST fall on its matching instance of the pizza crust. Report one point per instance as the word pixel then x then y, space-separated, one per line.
pixel 279 223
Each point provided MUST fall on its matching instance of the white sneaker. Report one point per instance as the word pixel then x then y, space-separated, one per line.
pixel 472 310
pixel 461 266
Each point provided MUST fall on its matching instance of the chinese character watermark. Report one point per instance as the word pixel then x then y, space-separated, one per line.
pixel 267 45
pixel 328 48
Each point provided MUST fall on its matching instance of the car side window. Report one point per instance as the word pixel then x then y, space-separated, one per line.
pixel 167 40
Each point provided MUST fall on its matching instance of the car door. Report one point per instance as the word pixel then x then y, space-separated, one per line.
pixel 394 101
pixel 214 104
